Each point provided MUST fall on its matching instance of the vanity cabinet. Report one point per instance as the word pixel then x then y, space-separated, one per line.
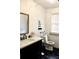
pixel 32 51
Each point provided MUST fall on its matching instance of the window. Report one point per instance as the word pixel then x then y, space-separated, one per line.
pixel 54 23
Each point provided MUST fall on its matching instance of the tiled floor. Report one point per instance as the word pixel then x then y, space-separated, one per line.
pixel 51 55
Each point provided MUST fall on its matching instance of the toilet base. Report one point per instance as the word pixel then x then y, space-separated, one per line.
pixel 50 48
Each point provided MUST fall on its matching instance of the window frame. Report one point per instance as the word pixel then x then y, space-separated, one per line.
pixel 56 24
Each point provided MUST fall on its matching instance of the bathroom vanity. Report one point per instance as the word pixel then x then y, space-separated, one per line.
pixel 30 48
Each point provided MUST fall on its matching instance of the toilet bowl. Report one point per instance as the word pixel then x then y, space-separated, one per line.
pixel 48 44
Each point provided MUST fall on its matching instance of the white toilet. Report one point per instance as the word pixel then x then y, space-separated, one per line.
pixel 48 44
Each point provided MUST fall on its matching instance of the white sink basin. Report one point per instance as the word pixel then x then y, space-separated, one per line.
pixel 29 41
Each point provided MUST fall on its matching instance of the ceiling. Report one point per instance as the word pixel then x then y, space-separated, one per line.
pixel 48 3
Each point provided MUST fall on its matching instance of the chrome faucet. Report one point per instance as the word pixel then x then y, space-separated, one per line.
pixel 23 36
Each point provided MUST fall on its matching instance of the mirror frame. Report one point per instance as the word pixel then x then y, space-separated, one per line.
pixel 27 23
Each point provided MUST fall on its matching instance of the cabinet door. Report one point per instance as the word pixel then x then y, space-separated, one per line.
pixel 31 52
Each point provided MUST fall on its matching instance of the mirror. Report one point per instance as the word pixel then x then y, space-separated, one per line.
pixel 24 23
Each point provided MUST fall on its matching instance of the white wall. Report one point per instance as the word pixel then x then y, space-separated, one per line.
pixel 52 37
pixel 35 11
